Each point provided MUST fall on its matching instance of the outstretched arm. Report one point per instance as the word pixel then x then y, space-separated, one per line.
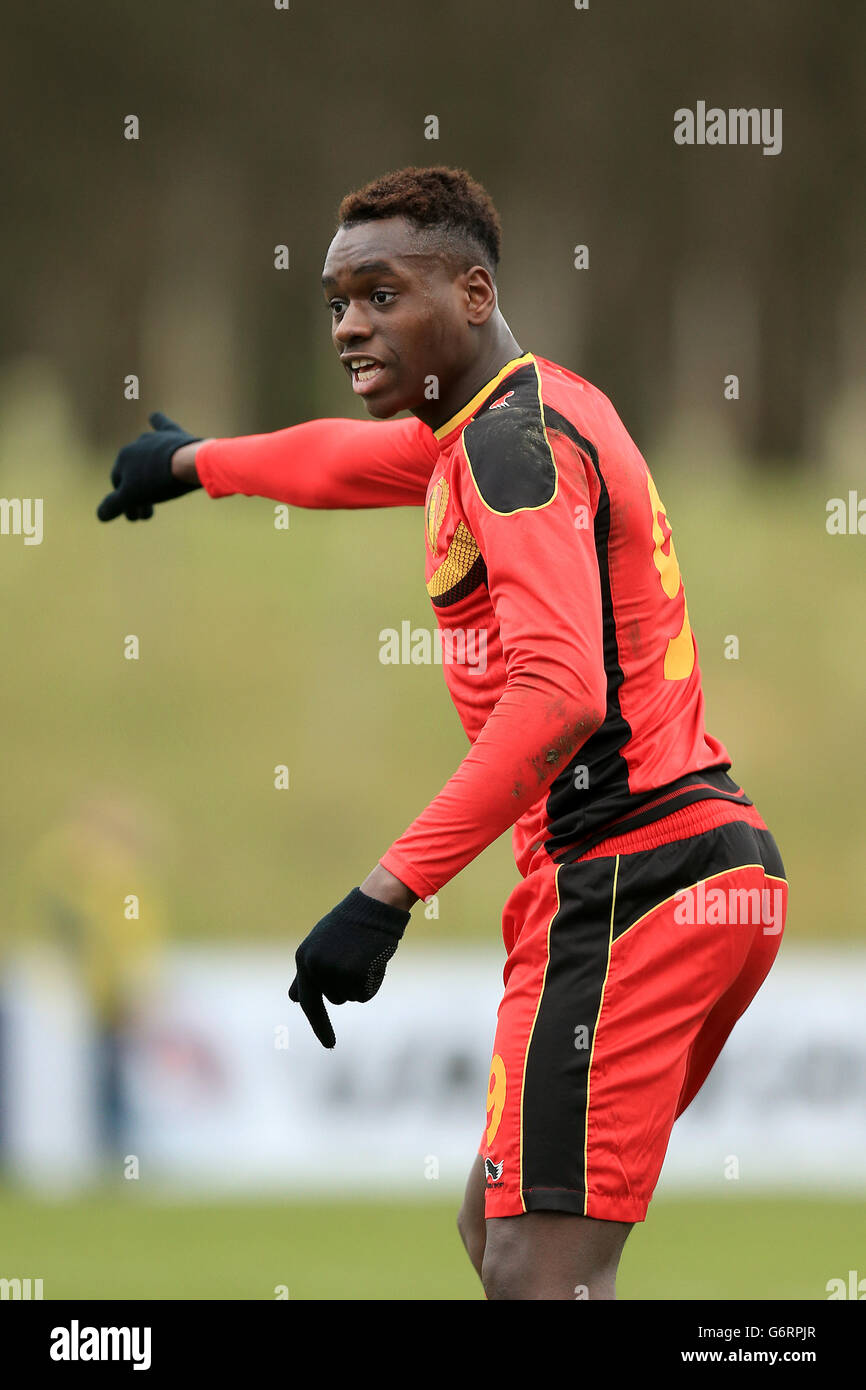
pixel 326 463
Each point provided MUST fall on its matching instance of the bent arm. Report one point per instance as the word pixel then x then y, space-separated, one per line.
pixel 544 586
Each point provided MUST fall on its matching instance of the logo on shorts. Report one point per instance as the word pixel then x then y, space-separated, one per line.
pixel 492 1170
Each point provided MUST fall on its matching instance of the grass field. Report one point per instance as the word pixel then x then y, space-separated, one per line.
pixel 103 1247
pixel 260 647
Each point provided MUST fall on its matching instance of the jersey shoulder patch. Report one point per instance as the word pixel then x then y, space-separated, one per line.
pixel 507 448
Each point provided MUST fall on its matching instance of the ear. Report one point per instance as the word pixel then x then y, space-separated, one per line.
pixel 480 292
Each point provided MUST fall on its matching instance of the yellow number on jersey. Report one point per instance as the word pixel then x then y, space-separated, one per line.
pixel 680 654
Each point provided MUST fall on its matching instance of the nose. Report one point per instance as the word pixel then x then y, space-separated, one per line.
pixel 352 325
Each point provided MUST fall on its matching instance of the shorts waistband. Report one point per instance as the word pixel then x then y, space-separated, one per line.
pixel 679 825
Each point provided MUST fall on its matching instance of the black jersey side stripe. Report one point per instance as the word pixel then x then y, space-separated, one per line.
pixel 602 752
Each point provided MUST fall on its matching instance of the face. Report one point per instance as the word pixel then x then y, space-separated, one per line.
pixel 399 315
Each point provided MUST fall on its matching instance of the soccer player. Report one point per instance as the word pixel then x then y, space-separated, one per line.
pixel 640 928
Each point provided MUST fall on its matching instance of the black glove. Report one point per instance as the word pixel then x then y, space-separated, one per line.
pixel 142 472
pixel 344 957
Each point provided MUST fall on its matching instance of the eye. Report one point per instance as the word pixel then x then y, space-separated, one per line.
pixel 336 306
pixel 383 296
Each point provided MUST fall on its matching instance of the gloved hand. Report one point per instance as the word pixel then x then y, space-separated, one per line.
pixel 344 957
pixel 142 472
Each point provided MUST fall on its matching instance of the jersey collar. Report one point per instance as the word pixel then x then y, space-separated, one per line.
pixel 447 433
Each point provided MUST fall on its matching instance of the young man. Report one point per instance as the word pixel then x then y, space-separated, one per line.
pixel 545 536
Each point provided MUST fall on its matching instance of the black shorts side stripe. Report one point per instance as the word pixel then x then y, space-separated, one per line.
pixel 557 1070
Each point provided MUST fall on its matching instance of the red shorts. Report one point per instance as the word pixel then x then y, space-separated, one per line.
pixel 626 972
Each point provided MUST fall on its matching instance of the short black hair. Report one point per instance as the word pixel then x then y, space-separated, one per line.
pixel 448 203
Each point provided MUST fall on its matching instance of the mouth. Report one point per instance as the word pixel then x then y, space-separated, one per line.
pixel 365 372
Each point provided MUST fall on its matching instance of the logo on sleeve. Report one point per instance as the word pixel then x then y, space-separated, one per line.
pixel 503 400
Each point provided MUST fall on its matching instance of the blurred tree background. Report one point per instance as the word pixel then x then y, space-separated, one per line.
pixel 155 257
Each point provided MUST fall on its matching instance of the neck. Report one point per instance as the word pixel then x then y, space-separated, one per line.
pixel 501 349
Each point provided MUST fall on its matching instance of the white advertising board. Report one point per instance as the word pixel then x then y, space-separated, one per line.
pixel 228 1090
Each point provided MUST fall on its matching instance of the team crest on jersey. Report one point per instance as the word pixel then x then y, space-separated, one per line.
pixel 437 505
pixel 503 400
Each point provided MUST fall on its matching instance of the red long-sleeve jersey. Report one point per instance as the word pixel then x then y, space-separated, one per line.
pixel 564 628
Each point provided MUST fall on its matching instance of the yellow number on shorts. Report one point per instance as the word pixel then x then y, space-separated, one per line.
pixel 495 1096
